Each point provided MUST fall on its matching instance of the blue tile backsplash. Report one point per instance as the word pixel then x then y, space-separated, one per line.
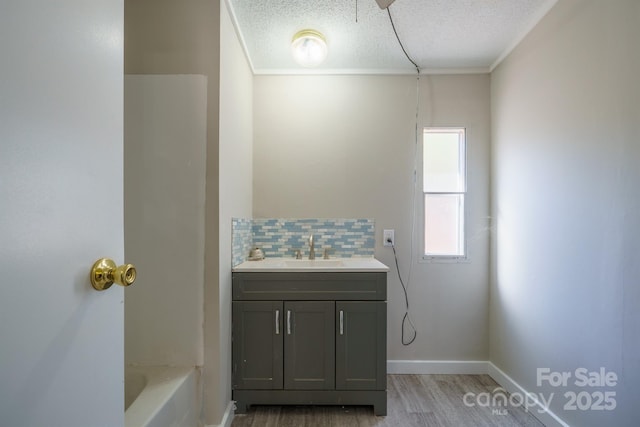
pixel 241 240
pixel 279 237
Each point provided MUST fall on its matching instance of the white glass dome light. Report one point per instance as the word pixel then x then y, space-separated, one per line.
pixel 309 48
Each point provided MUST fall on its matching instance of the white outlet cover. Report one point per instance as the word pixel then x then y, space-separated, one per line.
pixel 386 235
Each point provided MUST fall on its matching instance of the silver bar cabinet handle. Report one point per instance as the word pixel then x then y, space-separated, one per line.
pixel 341 322
pixel 277 322
pixel 288 322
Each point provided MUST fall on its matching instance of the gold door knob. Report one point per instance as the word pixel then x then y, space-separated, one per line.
pixel 105 273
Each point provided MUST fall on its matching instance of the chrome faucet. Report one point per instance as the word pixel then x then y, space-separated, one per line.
pixel 312 252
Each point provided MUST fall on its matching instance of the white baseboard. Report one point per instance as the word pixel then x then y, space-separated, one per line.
pixel 425 367
pixel 227 418
pixel 545 415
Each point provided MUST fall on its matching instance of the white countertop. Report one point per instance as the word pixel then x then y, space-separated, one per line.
pixel 335 265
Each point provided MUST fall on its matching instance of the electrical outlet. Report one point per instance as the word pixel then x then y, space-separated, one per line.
pixel 388 238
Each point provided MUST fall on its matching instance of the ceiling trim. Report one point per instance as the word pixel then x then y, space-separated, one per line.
pixel 542 12
pixel 236 27
pixel 361 71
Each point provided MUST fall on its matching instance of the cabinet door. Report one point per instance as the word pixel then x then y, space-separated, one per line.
pixel 309 345
pixel 257 344
pixel 361 345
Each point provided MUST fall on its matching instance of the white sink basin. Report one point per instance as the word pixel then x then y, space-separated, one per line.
pixel 316 263
pixel 328 265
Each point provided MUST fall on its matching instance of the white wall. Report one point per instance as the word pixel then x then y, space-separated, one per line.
pixel 236 177
pixel 343 146
pixel 170 37
pixel 165 146
pixel 566 253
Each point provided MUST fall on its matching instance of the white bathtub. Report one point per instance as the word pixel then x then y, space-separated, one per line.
pixel 160 396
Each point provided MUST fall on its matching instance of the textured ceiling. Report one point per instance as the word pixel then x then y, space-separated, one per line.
pixel 439 35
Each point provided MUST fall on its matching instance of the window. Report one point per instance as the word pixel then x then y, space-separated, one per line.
pixel 444 187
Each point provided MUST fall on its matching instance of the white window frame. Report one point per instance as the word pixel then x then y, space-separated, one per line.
pixel 446 258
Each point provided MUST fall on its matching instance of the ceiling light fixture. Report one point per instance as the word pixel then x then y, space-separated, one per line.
pixel 309 48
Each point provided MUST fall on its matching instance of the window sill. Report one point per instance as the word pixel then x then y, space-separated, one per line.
pixel 444 260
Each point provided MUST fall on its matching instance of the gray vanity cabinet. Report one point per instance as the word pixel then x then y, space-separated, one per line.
pixel 361 362
pixel 309 338
pixel 305 361
pixel 309 345
pixel 257 345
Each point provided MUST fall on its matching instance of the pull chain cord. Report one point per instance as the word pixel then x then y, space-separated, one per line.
pixel 401 45
pixel 407 317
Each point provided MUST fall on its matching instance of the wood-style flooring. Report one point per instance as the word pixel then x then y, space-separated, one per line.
pixel 412 401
